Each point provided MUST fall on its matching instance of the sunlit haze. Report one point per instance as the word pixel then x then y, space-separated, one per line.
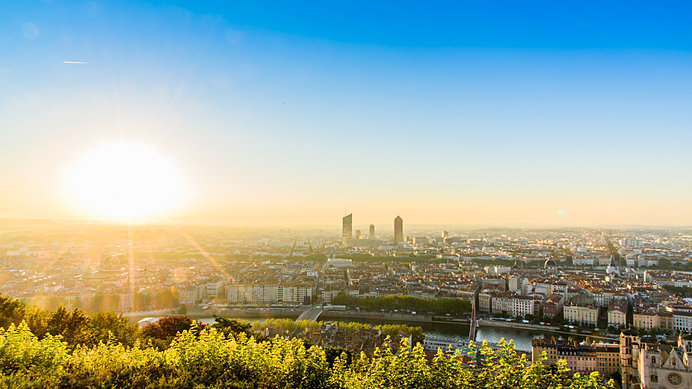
pixel 123 183
pixel 346 194
pixel 525 114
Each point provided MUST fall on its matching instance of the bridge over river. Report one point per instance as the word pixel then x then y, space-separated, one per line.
pixel 311 314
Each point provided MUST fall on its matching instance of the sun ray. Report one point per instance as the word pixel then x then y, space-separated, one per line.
pixel 201 250
pixel 63 249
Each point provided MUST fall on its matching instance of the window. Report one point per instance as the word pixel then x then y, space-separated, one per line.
pixel 674 379
pixel 654 379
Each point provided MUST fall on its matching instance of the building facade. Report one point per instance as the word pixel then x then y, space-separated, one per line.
pixel 617 314
pixel 580 357
pixel 347 229
pixel 398 229
pixel 581 314
pixel 267 294
pixel 655 366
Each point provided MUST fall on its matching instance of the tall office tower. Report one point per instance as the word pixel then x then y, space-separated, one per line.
pixel 371 232
pixel 357 234
pixel 347 231
pixel 398 229
pixel 445 234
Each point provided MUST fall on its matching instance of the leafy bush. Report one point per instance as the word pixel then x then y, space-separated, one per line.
pixel 212 359
pixel 67 349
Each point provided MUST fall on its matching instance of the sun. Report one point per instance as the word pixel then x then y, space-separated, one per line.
pixel 124 183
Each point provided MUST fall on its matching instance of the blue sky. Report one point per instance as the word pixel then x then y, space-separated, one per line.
pixel 509 113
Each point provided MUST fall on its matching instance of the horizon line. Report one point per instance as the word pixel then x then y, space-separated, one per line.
pixel 336 226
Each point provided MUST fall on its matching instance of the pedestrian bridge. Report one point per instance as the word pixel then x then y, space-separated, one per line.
pixel 311 314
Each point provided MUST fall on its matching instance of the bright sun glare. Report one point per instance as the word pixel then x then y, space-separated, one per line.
pixel 124 182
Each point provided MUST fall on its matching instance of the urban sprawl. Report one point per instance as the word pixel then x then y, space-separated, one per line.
pixel 609 300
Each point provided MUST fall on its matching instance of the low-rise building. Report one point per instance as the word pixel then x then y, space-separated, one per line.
pixel 617 314
pixel 515 305
pixel 581 309
pixel 645 318
pixel 580 357
pixel 553 306
pixel 267 294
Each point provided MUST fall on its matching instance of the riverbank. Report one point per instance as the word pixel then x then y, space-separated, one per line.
pixel 540 328
pixel 410 318
pixel 265 313
pixel 493 330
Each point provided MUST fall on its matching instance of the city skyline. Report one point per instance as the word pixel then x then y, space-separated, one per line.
pixel 277 115
pixel 511 178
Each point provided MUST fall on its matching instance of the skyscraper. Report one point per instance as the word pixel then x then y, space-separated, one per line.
pixel 347 228
pixel 371 232
pixel 398 229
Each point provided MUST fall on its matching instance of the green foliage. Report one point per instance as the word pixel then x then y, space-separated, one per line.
pixel 167 327
pixel 231 326
pixel 212 359
pixel 70 325
pixel 416 333
pixel 287 326
pixel 104 327
pixel 315 258
pixel 67 349
pixel 74 327
pixel 452 306
pixel 495 262
pixel 332 353
pixel 161 333
pixel 11 311
pixel 427 258
pixel 684 291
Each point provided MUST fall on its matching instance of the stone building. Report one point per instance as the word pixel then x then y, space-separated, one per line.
pixel 655 366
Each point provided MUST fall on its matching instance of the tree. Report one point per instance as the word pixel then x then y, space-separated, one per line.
pixel 167 327
pixel 441 306
pixel 70 325
pixel 179 353
pixel 11 311
pixel 209 359
pixel 665 264
pixel 332 353
pixel 231 326
pixel 109 326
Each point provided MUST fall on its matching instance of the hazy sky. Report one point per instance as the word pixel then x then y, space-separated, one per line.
pixel 492 113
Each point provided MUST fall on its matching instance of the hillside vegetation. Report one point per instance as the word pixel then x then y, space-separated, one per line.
pixel 228 355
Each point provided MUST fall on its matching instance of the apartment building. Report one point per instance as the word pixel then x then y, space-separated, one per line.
pixel 580 357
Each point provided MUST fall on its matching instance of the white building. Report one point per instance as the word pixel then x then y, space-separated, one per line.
pixel 584 261
pixel 580 309
pixel 267 294
pixel 518 285
pixel 617 315
pixel 515 306
pixel 682 321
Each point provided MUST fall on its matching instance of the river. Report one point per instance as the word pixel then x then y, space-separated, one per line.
pixel 522 338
